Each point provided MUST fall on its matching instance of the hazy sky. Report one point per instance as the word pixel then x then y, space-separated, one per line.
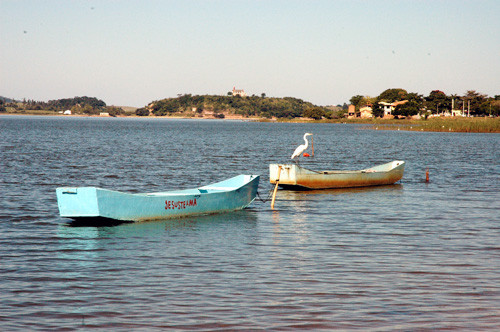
pixel 130 53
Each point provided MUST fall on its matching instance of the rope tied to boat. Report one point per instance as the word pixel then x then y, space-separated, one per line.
pixel 267 199
pixel 272 193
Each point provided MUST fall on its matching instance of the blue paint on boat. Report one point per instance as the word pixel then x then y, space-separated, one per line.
pixel 90 202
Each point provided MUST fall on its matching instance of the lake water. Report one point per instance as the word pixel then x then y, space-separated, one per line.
pixel 411 256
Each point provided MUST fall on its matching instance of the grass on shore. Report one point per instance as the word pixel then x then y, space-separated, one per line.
pixel 449 124
pixel 461 125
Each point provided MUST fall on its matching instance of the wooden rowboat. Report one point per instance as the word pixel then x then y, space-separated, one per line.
pixel 293 176
pixel 85 204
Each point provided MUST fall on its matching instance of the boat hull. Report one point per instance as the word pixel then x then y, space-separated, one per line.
pixel 299 178
pixel 88 203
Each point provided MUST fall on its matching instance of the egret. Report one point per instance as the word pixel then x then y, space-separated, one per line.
pixel 301 148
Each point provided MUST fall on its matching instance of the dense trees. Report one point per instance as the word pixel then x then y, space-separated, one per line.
pixel 115 111
pixel 377 110
pixel 68 103
pixel 142 111
pixel 85 105
pixel 392 95
pixel 437 102
pixel 315 113
pixel 407 109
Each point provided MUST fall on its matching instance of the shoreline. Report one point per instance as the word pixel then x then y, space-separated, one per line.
pixel 227 117
pixel 441 124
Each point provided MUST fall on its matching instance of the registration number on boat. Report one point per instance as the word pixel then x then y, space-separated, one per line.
pixel 179 205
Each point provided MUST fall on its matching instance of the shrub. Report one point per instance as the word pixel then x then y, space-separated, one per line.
pixel 142 112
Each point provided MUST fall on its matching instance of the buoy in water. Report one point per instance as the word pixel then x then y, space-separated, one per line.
pixel 427 175
pixel 306 154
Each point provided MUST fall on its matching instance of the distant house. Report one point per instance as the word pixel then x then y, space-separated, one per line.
pixel 67 112
pixel 366 112
pixel 104 114
pixel 240 93
pixel 351 111
pixel 389 107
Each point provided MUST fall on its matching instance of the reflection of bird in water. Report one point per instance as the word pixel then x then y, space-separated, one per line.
pixel 301 148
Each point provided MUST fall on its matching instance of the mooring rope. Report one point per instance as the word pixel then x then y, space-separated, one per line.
pixel 269 195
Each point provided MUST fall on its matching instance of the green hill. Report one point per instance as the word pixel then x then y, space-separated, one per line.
pixel 262 106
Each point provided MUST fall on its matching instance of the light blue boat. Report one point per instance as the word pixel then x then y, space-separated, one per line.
pixel 91 203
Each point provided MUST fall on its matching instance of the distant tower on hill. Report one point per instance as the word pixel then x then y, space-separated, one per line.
pixel 240 93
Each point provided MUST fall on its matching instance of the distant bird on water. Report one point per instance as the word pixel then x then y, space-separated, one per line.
pixel 301 148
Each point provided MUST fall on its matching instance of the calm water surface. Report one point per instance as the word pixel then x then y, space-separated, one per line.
pixel 412 256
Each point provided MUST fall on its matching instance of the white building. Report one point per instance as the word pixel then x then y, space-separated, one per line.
pixel 240 93
pixel 389 107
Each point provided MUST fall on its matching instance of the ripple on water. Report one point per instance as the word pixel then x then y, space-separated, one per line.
pixel 414 256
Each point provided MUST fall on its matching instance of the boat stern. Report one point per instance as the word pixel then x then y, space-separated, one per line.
pixel 285 173
pixel 252 186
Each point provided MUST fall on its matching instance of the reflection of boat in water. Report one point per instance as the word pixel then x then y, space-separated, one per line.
pixel 88 205
pixel 290 176
pixel 313 195
pixel 333 204
pixel 153 228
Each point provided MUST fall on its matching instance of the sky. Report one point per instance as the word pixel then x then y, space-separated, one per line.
pixel 130 53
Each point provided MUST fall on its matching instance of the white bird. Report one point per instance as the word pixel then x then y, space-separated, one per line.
pixel 301 148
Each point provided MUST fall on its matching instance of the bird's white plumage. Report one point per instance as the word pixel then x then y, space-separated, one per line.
pixel 301 148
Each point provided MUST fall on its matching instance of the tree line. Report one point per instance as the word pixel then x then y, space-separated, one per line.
pixel 437 102
pixel 77 105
